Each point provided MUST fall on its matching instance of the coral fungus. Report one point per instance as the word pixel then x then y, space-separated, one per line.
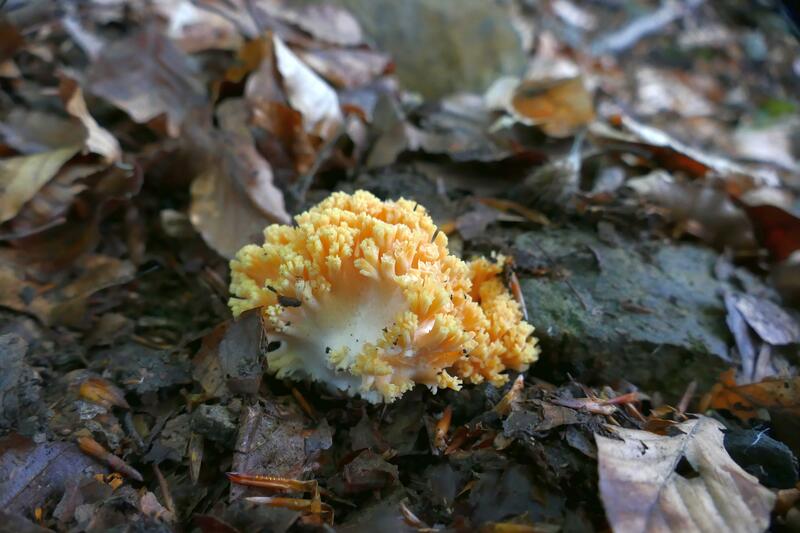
pixel 363 295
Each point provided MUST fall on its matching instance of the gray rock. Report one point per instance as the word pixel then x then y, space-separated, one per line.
pixel 215 422
pixel 443 47
pixel 650 313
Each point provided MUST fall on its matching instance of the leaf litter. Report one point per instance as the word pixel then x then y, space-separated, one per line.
pixel 648 198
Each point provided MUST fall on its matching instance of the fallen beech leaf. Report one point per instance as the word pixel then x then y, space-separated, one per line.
pixel 31 473
pixel 99 140
pixel 64 305
pixel 195 29
pixel 559 107
pixel 50 206
pixel 325 22
pixel 674 155
pixel 698 208
pixel 22 177
pixel 242 161
pixel 346 68
pixel 776 229
pixel 103 392
pixel 686 482
pixel 780 395
pixel 30 131
pixel 308 93
pixel 147 76
pixel 44 251
pixel 223 215
pixel 768 319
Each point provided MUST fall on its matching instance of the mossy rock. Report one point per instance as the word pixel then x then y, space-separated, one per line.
pixel 649 313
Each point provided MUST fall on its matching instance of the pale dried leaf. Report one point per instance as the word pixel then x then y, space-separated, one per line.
pixel 345 67
pixel 99 140
pixel 224 215
pixel 195 29
pixel 642 490
pixel 560 107
pixel 325 22
pixel 21 177
pixel 308 93
pixel 768 319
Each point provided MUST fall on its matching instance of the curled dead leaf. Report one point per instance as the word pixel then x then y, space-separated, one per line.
pixel 559 106
pixel 780 395
pixel 98 139
pixel 308 93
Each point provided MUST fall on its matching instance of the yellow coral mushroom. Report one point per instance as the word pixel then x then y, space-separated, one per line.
pixel 363 295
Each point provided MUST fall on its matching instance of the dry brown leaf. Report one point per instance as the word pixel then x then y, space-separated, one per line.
pixel 778 230
pixel 686 482
pixel 65 305
pixel 147 76
pixel 22 177
pixel 560 107
pixel 769 320
pixel 699 209
pixel 222 214
pixel 325 22
pixel 98 139
pixel 777 395
pixel 674 155
pixel 31 473
pixel 347 68
pixel 195 29
pixel 308 93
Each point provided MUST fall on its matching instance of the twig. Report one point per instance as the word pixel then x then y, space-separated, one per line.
pixel 627 36
pixel 165 492
pixel 296 194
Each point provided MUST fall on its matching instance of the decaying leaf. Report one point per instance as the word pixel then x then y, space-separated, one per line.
pixel 223 214
pixel 699 209
pixel 146 76
pixel 98 140
pixel 66 304
pixel 777 229
pixel 272 441
pixel 307 92
pixel 243 163
pixel 347 68
pixel 560 107
pixel 686 482
pixel 674 155
pixel 779 395
pixel 30 473
pixel 769 320
pixel 22 177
